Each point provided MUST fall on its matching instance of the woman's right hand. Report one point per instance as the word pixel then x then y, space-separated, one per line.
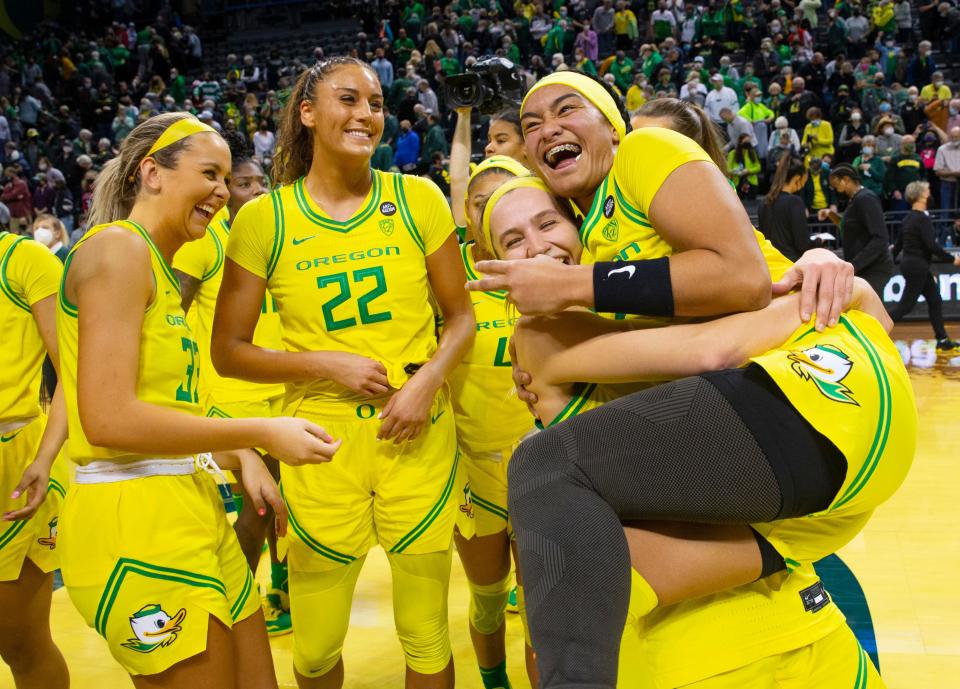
pixel 358 373
pixel 298 441
pixel 521 379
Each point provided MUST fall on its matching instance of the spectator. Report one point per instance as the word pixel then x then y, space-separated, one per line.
pixel 18 200
pixel 663 23
pixel 866 242
pixel 783 141
pixel 857 27
pixel 904 168
pixel 264 142
pixel 737 126
pixel 587 41
pixel 427 97
pixel 904 18
pixel 693 91
pixel 208 89
pixel 886 114
pixel 743 165
pixel 52 233
pixel 922 66
pixel 250 73
pixel 851 137
pixel 720 97
pixel 603 19
pixel 888 141
pixel 61 204
pixel 799 103
pixel 936 90
pixel 622 71
pixel 384 68
pixel 408 147
pixel 947 168
pixel 818 134
pixel 920 249
pixel 435 141
pixel 871 169
pixel 783 216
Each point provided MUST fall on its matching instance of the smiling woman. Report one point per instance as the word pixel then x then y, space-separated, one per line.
pixel 372 250
pixel 129 372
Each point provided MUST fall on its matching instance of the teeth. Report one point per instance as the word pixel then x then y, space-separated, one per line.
pixel 208 210
pixel 550 157
pixel 354 132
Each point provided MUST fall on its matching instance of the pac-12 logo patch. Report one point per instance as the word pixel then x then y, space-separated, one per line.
pixel 386 226
pixel 611 230
pixel 825 366
pixel 153 628
pixel 388 208
pixel 608 207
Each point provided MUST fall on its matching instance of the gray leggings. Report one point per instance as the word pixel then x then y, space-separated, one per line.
pixel 680 451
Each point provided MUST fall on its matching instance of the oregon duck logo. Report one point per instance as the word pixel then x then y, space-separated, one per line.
pixel 154 628
pixel 50 540
pixel 611 231
pixel 467 506
pixel 386 226
pixel 826 366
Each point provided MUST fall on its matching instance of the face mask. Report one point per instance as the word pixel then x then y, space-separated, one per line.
pixel 953 111
pixel 855 121
pixel 912 98
pixel 885 108
pixel 909 148
pixel 868 150
pixel 814 123
pixel 825 166
pixel 43 235
pixel 887 131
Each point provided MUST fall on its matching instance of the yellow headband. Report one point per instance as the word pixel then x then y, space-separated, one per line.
pixel 180 129
pixel 590 90
pixel 505 163
pixel 525 182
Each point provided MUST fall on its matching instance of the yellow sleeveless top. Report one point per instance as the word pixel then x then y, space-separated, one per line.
pixel 489 414
pixel 203 260
pixel 169 356
pixel 29 273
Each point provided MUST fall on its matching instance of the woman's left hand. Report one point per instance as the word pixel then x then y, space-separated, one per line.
pixel 261 489
pixel 405 415
pixel 826 286
pixel 34 483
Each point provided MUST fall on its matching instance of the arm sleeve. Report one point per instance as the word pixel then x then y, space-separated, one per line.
pixel 871 214
pixel 930 242
pixel 663 151
pixel 253 234
pixel 33 272
pixel 430 211
pixel 193 258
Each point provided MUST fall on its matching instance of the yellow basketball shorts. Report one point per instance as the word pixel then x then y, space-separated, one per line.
pixel 244 409
pixel 146 561
pixel 837 661
pixel 400 496
pixel 34 538
pixel 483 499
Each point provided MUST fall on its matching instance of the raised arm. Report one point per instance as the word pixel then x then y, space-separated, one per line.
pixel 460 166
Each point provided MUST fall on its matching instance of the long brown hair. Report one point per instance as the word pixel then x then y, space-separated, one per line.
pixel 790 166
pixel 690 120
pixel 118 183
pixel 294 141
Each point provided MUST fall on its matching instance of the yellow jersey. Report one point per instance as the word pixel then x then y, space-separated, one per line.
pixel 618 228
pixel 169 356
pixel 29 273
pixel 850 384
pixel 203 259
pixel 358 286
pixel 489 414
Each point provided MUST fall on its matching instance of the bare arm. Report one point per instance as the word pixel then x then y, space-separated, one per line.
pixel 111 283
pixel 235 355
pixel 460 166
pixel 722 251
pixel 621 356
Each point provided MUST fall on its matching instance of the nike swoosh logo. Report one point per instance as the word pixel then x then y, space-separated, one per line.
pixel 297 242
pixel 626 269
pixel 433 419
pixel 8 438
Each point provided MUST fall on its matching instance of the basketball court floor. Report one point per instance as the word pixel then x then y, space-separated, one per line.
pixel 907 563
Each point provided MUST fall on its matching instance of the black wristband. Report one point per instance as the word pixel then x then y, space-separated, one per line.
pixel 640 288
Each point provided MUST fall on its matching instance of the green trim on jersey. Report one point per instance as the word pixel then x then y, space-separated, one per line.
pixel 167 270
pixel 882 432
pixel 434 512
pixel 472 275
pixel 216 412
pixel 5 286
pixel 127 566
pixel 66 305
pixel 218 262
pixel 405 212
pixel 632 213
pixel 575 404
pixel 596 210
pixel 57 487
pixel 278 232
pixel 300 194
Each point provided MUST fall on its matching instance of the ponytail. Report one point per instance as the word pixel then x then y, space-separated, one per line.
pixel 790 166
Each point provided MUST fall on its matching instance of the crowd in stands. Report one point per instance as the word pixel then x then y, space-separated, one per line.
pixel 854 82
